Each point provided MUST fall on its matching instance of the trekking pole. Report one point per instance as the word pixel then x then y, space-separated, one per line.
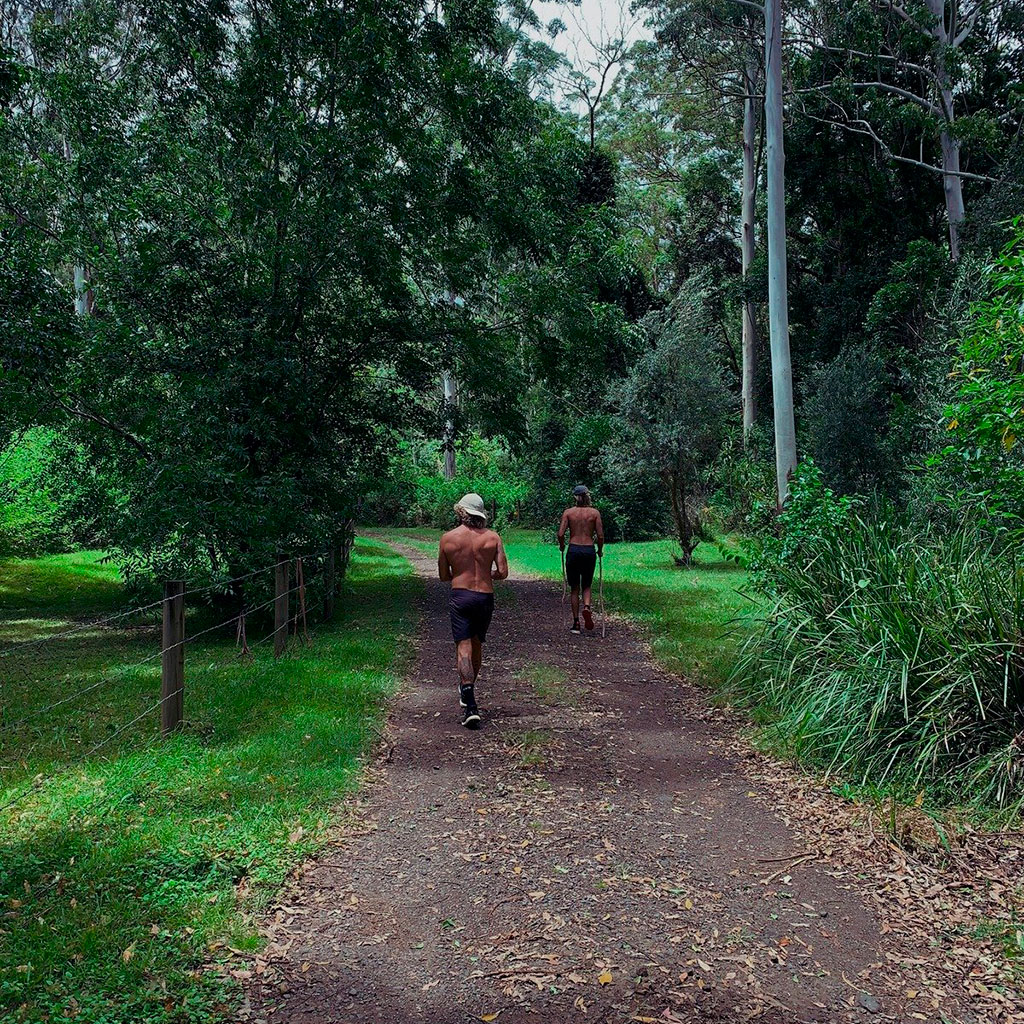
pixel 600 591
pixel 565 586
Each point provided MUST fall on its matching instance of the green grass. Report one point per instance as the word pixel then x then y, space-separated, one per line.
pixel 550 684
pixel 127 871
pixel 81 583
pixel 694 618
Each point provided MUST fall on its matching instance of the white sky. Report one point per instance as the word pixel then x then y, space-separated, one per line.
pixel 590 21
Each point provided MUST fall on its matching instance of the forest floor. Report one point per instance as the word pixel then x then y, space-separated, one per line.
pixel 609 847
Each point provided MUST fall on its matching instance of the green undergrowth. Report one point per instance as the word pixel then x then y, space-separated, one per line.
pixel 124 873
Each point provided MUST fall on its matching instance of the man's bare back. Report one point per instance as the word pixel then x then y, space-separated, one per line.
pixel 472 558
pixel 583 523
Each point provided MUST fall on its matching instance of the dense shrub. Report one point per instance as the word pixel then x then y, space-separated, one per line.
pixel 985 422
pixel 847 414
pixel 44 483
pixel 415 493
pixel 585 450
pixel 745 495
pixel 811 515
pixel 892 652
pixel 434 499
pixel 674 408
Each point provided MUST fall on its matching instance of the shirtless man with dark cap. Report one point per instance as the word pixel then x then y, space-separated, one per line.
pixel 583 524
pixel 471 557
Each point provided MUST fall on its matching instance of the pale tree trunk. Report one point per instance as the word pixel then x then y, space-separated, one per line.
pixel 778 303
pixel 943 33
pixel 952 183
pixel 750 338
pixel 448 445
pixel 85 298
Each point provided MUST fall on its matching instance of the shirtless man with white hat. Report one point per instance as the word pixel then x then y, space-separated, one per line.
pixel 471 557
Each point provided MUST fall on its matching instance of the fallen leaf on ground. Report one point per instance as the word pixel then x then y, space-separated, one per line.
pixel 604 978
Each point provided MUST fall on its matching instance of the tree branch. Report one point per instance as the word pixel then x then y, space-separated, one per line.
pixel 94 417
pixel 901 12
pixel 961 36
pixel 861 127
pixel 897 91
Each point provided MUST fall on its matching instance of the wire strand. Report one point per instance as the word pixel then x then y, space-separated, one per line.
pixel 41 781
pixel 10 726
pixel 27 644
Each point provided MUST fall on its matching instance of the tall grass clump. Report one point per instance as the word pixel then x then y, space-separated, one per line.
pixel 894 652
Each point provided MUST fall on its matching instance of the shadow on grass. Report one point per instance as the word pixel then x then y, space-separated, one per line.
pixel 121 873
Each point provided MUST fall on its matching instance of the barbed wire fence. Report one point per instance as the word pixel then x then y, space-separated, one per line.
pixel 97 673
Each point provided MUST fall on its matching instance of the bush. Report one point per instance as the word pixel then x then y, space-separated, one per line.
pixel 848 408
pixel 44 485
pixel 674 408
pixel 812 514
pixel 434 499
pixel 986 419
pixel 415 493
pixel 893 653
pixel 745 499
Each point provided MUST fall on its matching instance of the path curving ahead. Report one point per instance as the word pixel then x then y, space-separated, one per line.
pixel 597 852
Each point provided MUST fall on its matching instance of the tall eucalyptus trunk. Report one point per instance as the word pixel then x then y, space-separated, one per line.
pixel 778 302
pixel 448 444
pixel 749 192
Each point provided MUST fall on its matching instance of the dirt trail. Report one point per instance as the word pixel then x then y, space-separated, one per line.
pixel 597 852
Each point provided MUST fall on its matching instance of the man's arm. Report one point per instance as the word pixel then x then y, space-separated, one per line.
pixel 444 567
pixel 599 531
pixel 562 528
pixel 500 572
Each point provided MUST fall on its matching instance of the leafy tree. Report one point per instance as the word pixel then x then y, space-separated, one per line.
pixel 675 407
pixel 268 206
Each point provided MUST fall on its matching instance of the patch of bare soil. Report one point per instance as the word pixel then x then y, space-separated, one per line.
pixel 607 848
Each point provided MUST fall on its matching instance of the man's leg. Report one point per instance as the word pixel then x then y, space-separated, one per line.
pixel 478 657
pixel 575 600
pixel 465 662
pixel 587 580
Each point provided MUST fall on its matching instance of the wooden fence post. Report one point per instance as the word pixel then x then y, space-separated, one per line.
pixel 172 665
pixel 281 581
pixel 330 583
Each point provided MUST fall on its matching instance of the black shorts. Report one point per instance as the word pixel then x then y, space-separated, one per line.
pixel 471 613
pixel 580 563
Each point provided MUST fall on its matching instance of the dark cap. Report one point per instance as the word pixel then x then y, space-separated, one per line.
pixel 580 490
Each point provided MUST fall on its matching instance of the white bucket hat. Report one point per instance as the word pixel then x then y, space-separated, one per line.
pixel 473 505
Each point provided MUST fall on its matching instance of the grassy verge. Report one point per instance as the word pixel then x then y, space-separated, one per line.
pixel 695 618
pixel 125 872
